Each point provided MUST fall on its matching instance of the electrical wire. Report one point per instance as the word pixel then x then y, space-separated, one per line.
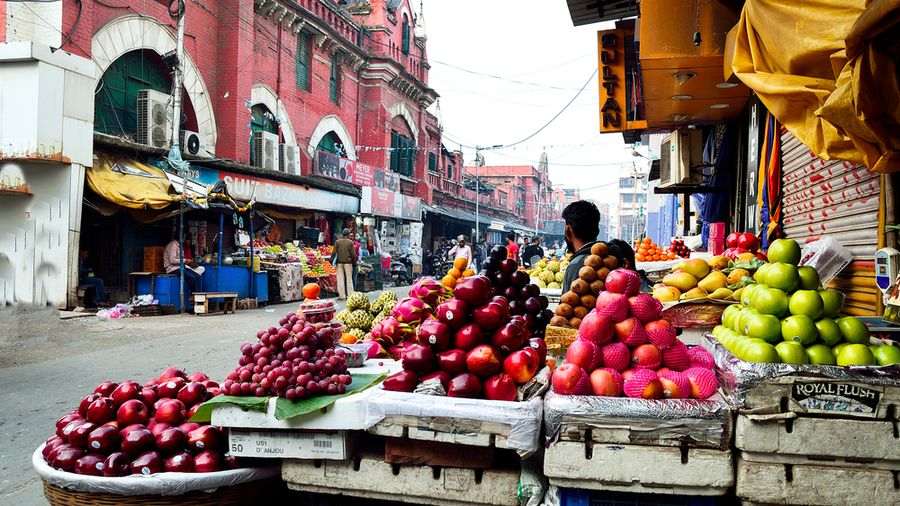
pixel 501 78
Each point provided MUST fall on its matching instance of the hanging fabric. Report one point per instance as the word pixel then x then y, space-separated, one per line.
pixel 768 194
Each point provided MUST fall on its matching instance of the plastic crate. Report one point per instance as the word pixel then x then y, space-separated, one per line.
pixel 577 497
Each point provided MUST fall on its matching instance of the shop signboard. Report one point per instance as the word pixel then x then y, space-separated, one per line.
pixel 268 191
pixel 332 166
pixel 350 171
pixel 615 80
pixel 411 208
pixel 363 175
pixel 379 202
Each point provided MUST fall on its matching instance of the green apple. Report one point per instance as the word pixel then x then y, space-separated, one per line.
pixel 763 326
pixel 832 301
pixel 837 349
pixel 799 328
pixel 806 302
pixel 855 354
pixel 784 250
pixel 770 301
pixel 747 294
pixel 809 277
pixel 829 332
pixel 741 320
pixel 783 276
pixel 820 354
pixel 729 315
pixel 887 354
pixel 760 352
pixel 760 275
pixel 791 352
pixel 853 330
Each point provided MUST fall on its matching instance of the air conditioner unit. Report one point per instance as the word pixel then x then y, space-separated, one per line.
pixel 265 150
pixel 192 144
pixel 154 119
pixel 678 153
pixel 290 159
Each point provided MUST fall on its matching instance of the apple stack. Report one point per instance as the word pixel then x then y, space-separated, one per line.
pixel 789 318
pixel 581 297
pixel 475 345
pixel 128 428
pixel 623 347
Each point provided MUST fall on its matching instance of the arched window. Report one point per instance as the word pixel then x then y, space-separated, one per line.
pixel 115 110
pixel 261 120
pixel 404 46
pixel 332 144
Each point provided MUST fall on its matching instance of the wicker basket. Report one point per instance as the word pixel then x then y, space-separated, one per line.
pixel 255 492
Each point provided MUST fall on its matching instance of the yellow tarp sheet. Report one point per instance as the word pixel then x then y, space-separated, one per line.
pixel 131 184
pixel 828 70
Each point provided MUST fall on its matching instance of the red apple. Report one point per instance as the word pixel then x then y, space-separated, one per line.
pixel 136 440
pixel 441 376
pixel 474 290
pixel 731 240
pixel 187 427
pixel 453 362
pixel 157 427
pixel 468 336
pixel 91 465
pixel 434 333
pixel 483 361
pixel 131 412
pixel 207 462
pixel 85 402
pixel 50 444
pixel 631 332
pixel 417 358
pixel 192 393
pixel 500 387
pixel 205 437
pixel 521 365
pixel 104 439
pixel 170 388
pixel 490 316
pixel 106 388
pixel 402 381
pixel 170 411
pixel 748 241
pixel 65 457
pixel 101 411
pixel 66 420
pixel 452 312
pixel 646 356
pixel 116 464
pixel 78 436
pixel 464 385
pixel 569 379
pixel 126 390
pixel 606 382
pixel 171 440
pixel 585 354
pixel 148 396
pixel 198 377
pixel 509 338
pixel 147 463
pixel 173 372
pixel 540 346
pixel 182 462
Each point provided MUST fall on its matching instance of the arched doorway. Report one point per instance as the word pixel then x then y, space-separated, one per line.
pixel 332 144
pixel 261 120
pixel 115 107
pixel 331 125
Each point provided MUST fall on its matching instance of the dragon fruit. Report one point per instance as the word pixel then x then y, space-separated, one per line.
pixel 429 290
pixel 410 311
pixel 391 331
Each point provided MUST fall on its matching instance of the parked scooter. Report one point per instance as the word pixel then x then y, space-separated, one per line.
pixel 401 270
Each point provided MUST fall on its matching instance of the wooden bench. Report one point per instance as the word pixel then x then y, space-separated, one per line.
pixel 206 303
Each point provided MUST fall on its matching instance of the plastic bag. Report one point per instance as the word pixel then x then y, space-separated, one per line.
pixel 827 256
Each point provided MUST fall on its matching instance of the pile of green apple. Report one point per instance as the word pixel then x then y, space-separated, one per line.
pixel 788 317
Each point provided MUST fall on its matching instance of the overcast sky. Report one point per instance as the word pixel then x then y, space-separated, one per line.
pixel 534 42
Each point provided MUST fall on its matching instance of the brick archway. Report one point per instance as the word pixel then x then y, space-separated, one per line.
pixel 400 109
pixel 331 123
pixel 262 94
pixel 132 32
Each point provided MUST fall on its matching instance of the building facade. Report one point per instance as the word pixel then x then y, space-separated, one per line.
pixel 632 204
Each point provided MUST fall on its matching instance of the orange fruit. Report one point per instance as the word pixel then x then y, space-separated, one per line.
pixel 454 273
pixel 468 272
pixel 448 281
pixel 461 264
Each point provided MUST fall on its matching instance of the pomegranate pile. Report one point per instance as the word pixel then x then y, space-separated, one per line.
pixel 295 360
pixel 127 428
pixel 624 347
pixel 483 342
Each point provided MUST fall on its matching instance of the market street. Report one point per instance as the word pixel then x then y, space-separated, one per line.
pixel 50 366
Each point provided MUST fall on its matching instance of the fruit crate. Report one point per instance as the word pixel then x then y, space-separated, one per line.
pixel 368 476
pixel 672 447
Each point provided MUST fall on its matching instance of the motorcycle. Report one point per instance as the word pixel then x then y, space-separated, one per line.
pixel 401 270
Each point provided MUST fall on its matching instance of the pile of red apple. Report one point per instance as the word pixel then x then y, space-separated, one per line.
pixel 295 360
pixel 128 428
pixel 742 242
pixel 625 347
pixel 473 343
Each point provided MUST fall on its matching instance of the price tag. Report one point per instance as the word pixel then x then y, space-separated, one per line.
pixel 833 397
pixel 287 444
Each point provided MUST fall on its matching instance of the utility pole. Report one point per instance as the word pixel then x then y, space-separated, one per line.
pixel 174 158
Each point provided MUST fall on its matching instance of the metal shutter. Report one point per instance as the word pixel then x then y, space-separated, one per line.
pixel 839 199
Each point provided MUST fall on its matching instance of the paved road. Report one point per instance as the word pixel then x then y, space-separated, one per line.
pixel 47 365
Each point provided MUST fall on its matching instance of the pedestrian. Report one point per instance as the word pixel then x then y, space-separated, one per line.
pixel 533 252
pixel 512 248
pixel 345 259
pixel 582 226
pixel 461 250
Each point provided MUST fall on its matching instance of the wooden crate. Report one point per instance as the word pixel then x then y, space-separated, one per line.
pixel 444 430
pixel 369 477
pixel 808 482
pixel 153 258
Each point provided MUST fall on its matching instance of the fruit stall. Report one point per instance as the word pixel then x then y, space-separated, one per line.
pixel 471 390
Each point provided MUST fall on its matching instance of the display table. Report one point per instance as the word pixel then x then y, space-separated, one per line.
pixel 236 278
pixel 328 282
pixel 288 277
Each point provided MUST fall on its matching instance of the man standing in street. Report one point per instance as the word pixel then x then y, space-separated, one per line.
pixel 531 251
pixel 461 250
pixel 512 248
pixel 582 226
pixel 345 259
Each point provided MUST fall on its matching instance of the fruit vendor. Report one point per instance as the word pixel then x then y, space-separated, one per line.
pixel 582 226
pixel 461 250
pixel 533 252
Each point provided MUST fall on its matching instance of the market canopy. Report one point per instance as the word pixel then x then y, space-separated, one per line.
pixel 131 184
pixel 828 71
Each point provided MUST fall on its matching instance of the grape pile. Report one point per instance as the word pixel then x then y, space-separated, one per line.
pixel 296 360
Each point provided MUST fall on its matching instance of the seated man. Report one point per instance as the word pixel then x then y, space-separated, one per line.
pixel 86 278
pixel 172 263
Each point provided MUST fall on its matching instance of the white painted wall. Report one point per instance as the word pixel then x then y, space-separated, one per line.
pixel 39 22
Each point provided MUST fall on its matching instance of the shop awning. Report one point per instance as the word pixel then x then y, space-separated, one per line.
pixel 484 220
pixel 827 71
pixel 131 184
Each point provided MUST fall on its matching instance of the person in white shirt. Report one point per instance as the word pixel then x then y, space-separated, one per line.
pixel 461 250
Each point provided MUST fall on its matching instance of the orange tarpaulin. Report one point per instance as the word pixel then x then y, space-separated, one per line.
pixel 828 71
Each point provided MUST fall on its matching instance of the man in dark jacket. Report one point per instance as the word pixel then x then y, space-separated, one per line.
pixel 532 250
pixel 582 226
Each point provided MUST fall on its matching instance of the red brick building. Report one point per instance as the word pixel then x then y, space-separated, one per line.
pixel 522 190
